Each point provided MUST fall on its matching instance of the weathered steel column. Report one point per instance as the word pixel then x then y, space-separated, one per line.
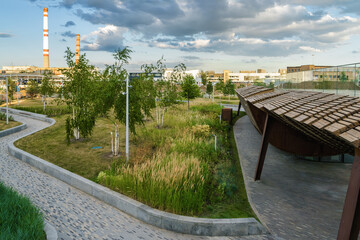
pixel 238 113
pixel 264 145
pixel 350 220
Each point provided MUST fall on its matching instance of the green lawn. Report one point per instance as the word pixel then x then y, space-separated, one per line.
pixel 174 168
pixel 19 219
pixel 4 126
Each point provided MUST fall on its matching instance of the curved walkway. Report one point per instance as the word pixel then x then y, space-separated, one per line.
pixel 75 214
pixel 295 199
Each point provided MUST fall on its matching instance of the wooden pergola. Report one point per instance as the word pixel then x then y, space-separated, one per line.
pixel 309 124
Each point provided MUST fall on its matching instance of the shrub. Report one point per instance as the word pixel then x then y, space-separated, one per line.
pixel 19 219
pixel 3 116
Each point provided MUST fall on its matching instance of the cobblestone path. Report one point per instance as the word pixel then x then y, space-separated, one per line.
pixel 74 214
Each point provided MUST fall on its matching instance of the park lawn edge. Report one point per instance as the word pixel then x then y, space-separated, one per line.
pixel 229 208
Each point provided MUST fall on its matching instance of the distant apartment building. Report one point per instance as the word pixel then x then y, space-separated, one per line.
pixel 214 77
pixel 303 68
pixel 226 75
pixel 282 71
pixel 253 77
pixel 247 76
pixel 323 73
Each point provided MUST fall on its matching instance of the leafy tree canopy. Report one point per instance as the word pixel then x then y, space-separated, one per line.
pixel 190 90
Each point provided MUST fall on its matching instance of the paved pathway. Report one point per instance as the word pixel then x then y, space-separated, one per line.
pixel 295 199
pixel 75 214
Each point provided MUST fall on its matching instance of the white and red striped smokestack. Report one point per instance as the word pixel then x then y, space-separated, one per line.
pixel 46 40
pixel 77 57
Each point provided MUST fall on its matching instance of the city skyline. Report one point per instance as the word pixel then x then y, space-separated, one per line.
pixel 208 35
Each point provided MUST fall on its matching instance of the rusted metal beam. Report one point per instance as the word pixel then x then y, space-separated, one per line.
pixel 238 113
pixel 350 220
pixel 264 145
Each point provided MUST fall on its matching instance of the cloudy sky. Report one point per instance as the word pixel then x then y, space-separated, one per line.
pixel 204 34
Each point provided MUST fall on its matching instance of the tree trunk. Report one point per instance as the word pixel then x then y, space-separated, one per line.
pixel 162 119
pixel 188 103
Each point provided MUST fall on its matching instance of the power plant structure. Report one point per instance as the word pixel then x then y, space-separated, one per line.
pixel 46 40
pixel 77 57
pixel 23 74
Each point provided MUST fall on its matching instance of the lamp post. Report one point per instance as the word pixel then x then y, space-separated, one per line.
pixel 7 101
pixel 213 84
pixel 127 120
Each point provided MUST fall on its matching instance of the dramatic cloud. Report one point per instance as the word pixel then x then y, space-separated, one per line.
pixel 68 34
pixel 250 61
pixel 69 24
pixel 309 49
pixel 108 38
pixel 235 27
pixel 190 57
pixel 5 35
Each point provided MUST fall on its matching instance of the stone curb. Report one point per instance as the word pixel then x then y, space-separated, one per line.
pixel 13 130
pixel 35 116
pixel 50 230
pixel 168 221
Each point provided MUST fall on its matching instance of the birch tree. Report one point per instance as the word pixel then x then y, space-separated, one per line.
pixel 79 93
pixel 141 95
pixel 47 88
pixel 167 93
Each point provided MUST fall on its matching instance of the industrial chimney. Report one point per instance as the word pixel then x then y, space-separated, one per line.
pixel 77 57
pixel 46 40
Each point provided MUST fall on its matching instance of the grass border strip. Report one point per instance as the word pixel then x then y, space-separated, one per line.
pixel 161 219
pixel 16 129
pixel 245 176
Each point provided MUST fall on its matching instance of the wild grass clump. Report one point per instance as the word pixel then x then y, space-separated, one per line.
pixel 19 219
pixel 173 182
pixel 3 117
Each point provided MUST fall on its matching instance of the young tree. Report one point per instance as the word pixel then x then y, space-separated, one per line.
pixel 11 89
pixel 141 94
pixel 229 88
pixel 47 88
pixel 80 94
pixel 209 88
pixel 343 77
pixel 167 93
pixel 190 90
pixel 204 78
pixel 32 88
pixel 220 85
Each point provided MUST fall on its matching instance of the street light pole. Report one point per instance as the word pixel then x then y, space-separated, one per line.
pixel 7 101
pixel 213 92
pixel 127 120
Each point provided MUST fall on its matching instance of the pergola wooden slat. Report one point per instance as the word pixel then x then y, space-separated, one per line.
pixel 310 124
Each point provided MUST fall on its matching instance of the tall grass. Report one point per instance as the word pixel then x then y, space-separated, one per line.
pixel 173 182
pixel 19 219
pixel 179 177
